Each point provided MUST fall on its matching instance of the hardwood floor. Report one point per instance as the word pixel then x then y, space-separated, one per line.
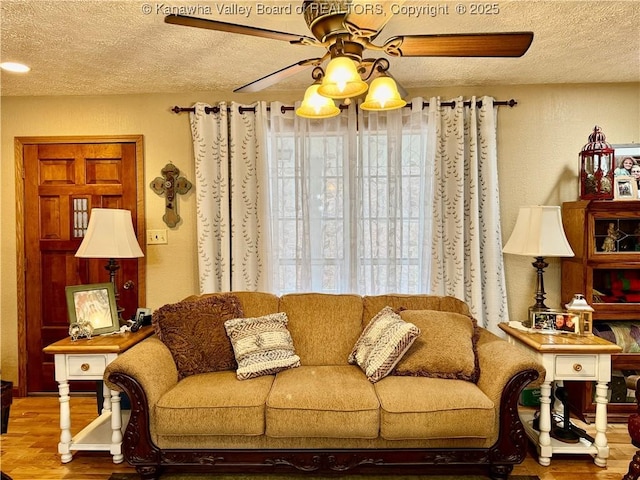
pixel 29 448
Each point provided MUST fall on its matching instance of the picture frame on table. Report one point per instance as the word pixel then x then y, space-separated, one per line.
pixel 625 188
pixel 556 321
pixel 95 304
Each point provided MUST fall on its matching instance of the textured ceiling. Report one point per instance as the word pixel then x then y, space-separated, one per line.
pixel 85 47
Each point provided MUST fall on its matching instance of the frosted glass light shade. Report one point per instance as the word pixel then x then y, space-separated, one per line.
pixel 383 95
pixel 342 80
pixel 539 233
pixel 109 235
pixel 315 105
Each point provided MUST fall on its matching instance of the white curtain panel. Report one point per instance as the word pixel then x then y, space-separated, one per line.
pixel 229 165
pixel 467 241
pixel 312 192
pixel 249 197
pixel 394 171
pixel 211 154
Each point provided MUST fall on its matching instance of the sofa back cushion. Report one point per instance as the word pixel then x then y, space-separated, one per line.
pixel 258 304
pixel 374 303
pixel 324 327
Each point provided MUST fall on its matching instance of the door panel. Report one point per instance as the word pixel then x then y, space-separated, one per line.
pixel 62 183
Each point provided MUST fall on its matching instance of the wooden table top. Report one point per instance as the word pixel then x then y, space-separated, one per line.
pixel 561 342
pixel 116 343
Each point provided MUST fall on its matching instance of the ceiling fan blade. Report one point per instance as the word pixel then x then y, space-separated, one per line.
pixel 278 76
pixel 235 28
pixel 460 45
pixel 366 19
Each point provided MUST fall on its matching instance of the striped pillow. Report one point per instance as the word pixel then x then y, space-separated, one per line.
pixel 261 345
pixel 382 344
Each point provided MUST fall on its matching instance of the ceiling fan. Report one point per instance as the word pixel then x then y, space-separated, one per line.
pixel 349 27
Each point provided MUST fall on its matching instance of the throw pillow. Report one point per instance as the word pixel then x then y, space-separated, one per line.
pixel 194 333
pixel 382 344
pixel 446 348
pixel 262 345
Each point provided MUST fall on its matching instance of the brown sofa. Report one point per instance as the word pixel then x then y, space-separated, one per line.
pixel 326 415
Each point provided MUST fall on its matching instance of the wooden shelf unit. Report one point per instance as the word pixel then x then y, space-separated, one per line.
pixel 590 272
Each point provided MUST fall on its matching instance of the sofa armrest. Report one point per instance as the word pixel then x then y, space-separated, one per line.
pixel 150 363
pixel 499 362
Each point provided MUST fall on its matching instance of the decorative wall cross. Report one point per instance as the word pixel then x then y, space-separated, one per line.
pixel 170 185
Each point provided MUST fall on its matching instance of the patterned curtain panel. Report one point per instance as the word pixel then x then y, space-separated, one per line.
pixel 228 147
pixel 467 241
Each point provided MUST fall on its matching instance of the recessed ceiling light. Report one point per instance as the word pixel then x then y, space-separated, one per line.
pixel 14 67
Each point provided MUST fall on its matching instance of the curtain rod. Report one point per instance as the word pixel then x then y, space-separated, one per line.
pixel 509 103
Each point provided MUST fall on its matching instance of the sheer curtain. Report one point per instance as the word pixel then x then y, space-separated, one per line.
pixel 312 174
pixel 367 202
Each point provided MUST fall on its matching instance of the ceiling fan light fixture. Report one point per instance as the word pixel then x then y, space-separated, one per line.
pixel 315 105
pixel 14 67
pixel 342 80
pixel 383 95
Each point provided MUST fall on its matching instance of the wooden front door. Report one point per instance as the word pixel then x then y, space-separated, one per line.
pixel 63 180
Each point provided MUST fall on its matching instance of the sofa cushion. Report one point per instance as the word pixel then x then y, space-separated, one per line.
pixel 446 347
pixel 382 343
pixel 322 401
pixel 372 304
pixel 262 345
pixel 214 404
pixel 432 408
pixel 324 326
pixel 194 333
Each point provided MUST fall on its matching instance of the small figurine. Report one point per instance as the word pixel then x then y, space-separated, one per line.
pixel 609 244
pixel 81 329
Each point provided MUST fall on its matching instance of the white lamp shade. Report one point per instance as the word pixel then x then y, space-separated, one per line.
pixel 539 233
pixel 109 235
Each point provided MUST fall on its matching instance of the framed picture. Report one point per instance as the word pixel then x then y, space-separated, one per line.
pixel 556 321
pixel 96 304
pixel 627 164
pixel 624 151
pixel 625 188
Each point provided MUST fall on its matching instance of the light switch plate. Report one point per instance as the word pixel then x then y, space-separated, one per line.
pixel 157 237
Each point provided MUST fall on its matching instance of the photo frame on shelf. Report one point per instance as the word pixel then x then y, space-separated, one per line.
pixel 556 321
pixel 623 150
pixel 625 188
pixel 94 304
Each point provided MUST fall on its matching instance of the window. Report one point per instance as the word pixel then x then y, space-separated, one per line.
pixel 349 208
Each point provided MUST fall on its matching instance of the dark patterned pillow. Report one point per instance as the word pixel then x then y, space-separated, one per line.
pixel 262 345
pixel 194 333
pixel 382 344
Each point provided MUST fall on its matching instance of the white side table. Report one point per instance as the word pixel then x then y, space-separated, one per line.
pixel 87 359
pixel 568 357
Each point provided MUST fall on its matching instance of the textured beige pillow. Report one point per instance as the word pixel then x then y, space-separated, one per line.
pixel 382 343
pixel 195 335
pixel 262 345
pixel 445 349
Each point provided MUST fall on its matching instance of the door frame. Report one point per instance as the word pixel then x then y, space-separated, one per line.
pixel 21 262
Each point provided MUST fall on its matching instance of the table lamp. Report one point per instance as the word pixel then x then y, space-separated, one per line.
pixel 538 233
pixel 110 235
